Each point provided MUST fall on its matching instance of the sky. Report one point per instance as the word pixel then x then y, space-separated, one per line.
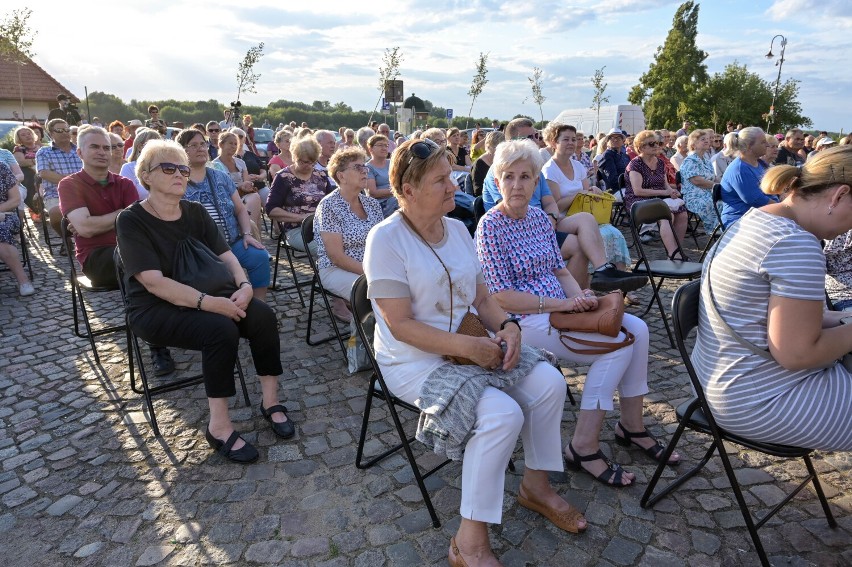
pixel 332 50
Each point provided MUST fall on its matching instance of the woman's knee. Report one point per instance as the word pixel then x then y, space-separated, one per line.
pixel 497 411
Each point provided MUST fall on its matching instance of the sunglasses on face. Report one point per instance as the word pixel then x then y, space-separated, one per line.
pixel 422 149
pixel 213 130
pixel 60 130
pixel 652 144
pixel 170 168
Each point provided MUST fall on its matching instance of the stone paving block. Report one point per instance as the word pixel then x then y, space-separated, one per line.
pixel 621 551
pixel 64 504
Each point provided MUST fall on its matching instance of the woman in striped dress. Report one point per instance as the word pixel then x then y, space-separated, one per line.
pixel 767 279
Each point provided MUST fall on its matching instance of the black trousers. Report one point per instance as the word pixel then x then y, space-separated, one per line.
pixel 100 267
pixel 217 337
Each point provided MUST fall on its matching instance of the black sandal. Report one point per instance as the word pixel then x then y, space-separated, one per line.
pixel 613 473
pixel 655 451
pixel 244 455
pixel 285 430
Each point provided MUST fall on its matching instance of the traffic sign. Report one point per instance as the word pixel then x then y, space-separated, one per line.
pixel 449 114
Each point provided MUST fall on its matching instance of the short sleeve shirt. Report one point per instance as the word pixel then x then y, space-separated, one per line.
pixel 335 215
pixel 295 195
pixel 52 158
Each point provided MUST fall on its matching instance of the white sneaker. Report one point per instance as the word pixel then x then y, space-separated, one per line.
pixel 26 289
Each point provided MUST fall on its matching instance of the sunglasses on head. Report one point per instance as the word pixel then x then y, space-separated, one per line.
pixel 170 168
pixel 422 149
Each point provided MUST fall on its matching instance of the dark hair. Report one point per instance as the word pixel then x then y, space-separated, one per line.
pixel 185 136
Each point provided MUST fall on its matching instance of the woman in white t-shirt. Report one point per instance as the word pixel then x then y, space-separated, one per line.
pixel 423 277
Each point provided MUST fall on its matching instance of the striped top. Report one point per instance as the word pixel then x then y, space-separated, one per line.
pixel 759 256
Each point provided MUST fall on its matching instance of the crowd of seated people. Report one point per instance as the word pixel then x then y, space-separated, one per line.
pixel 381 209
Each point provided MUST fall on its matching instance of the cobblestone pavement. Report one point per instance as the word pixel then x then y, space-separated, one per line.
pixel 85 482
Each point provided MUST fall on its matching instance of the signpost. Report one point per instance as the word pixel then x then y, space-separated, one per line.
pixel 449 114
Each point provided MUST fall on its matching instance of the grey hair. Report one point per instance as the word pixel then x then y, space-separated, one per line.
pixel 363 134
pixel 517 150
pixel 143 136
pixel 747 137
pixel 730 144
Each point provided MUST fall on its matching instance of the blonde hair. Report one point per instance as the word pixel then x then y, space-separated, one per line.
pixel 143 136
pixel 405 167
pixel 642 138
pixel 343 158
pixel 826 169
pixel 157 150
pixel 305 148
pixel 696 135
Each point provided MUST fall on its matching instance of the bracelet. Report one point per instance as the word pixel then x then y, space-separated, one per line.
pixel 540 304
pixel 514 320
pixel 201 297
pixel 243 283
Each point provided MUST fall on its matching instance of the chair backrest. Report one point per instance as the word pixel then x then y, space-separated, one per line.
pixel 478 208
pixel 717 193
pixel 622 181
pixel 307 230
pixel 684 319
pixel 651 211
pixel 362 310
pixel 678 179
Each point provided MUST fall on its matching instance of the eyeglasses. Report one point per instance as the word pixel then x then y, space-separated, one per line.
pixel 170 168
pixel 358 167
pixel 211 130
pixel 197 146
pixel 422 149
pixel 652 144
pixel 60 130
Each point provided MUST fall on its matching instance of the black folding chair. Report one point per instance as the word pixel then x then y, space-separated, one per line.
pixel 478 209
pixel 79 284
pixel 619 213
pixel 292 254
pixel 718 230
pixel 307 238
pixel 695 414
pixel 362 309
pixel 652 211
pixel 135 352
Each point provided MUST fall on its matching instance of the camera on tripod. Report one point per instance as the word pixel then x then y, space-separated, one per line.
pixel 235 111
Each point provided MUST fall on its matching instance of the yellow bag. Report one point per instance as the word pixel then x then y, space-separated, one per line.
pixel 600 205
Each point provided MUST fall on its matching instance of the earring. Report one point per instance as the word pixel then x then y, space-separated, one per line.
pixel 830 208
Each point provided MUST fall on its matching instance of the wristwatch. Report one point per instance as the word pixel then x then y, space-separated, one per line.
pixel 553 216
pixel 514 320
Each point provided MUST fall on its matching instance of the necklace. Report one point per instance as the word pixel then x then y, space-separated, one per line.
pixel 150 204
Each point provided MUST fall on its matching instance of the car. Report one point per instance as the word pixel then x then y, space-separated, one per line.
pixel 172 132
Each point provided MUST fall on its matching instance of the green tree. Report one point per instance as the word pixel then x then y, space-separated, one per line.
pixel 479 82
pixel 246 77
pixel 741 96
pixel 537 93
pixel 598 99
pixel 676 75
pixel 16 42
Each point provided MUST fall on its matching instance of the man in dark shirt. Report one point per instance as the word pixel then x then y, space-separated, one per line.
pixel 213 130
pixel 66 111
pixel 155 122
pixel 788 153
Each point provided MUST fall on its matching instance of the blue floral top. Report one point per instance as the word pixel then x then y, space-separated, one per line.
pixel 695 166
pixel 224 215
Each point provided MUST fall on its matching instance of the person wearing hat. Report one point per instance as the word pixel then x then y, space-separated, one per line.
pixel 823 144
pixel 613 160
pixel 131 128
pixel 66 111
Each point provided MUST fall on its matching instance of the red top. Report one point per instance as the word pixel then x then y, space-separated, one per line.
pixel 80 190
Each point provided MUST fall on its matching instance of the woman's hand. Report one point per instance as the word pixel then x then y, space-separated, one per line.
pixel 511 336
pixel 248 187
pixel 249 240
pixel 674 193
pixel 223 306
pixel 242 297
pixel 586 301
pixel 486 352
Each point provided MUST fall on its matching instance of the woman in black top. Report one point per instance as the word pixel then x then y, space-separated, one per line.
pixel 483 162
pixel 460 152
pixel 165 311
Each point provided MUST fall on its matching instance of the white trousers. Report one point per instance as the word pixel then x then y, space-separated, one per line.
pixel 338 281
pixel 625 369
pixel 532 408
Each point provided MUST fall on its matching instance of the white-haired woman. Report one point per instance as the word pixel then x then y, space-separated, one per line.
pixel 423 277
pixel 681 146
pixel 723 159
pixel 526 275
pixel 697 179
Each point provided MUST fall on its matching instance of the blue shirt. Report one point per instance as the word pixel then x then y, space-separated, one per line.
pixel 491 195
pixel 52 158
pixel 741 190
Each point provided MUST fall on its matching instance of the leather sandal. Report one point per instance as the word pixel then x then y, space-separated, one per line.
pixel 244 455
pixel 612 476
pixel 567 520
pixel 455 558
pixel 655 451
pixel 284 430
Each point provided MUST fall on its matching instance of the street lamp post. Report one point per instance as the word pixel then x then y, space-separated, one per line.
pixel 779 64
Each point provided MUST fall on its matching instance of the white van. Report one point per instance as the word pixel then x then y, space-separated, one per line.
pixel 625 117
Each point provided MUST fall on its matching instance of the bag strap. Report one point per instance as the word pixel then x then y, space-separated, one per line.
pixel 597 347
pixel 443 265
pixel 715 309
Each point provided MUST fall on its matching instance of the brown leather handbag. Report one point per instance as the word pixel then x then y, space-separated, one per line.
pixel 606 320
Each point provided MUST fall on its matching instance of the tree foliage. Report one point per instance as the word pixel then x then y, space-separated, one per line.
pixel 479 82
pixel 669 89
pixel 16 42
pixel 741 96
pixel 246 77
pixel 537 93
pixel 388 71
pixel 599 99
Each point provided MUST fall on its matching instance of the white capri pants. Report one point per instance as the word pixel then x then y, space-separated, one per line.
pixel 532 408
pixel 625 369
pixel 338 281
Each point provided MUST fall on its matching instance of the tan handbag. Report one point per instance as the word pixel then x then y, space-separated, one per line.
pixel 470 324
pixel 605 319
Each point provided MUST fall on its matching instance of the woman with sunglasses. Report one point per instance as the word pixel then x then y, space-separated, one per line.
pixel 116 154
pixel 215 191
pixel 162 310
pixel 423 277
pixel 645 178
pixel 698 177
pixel 297 190
pixel 343 219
